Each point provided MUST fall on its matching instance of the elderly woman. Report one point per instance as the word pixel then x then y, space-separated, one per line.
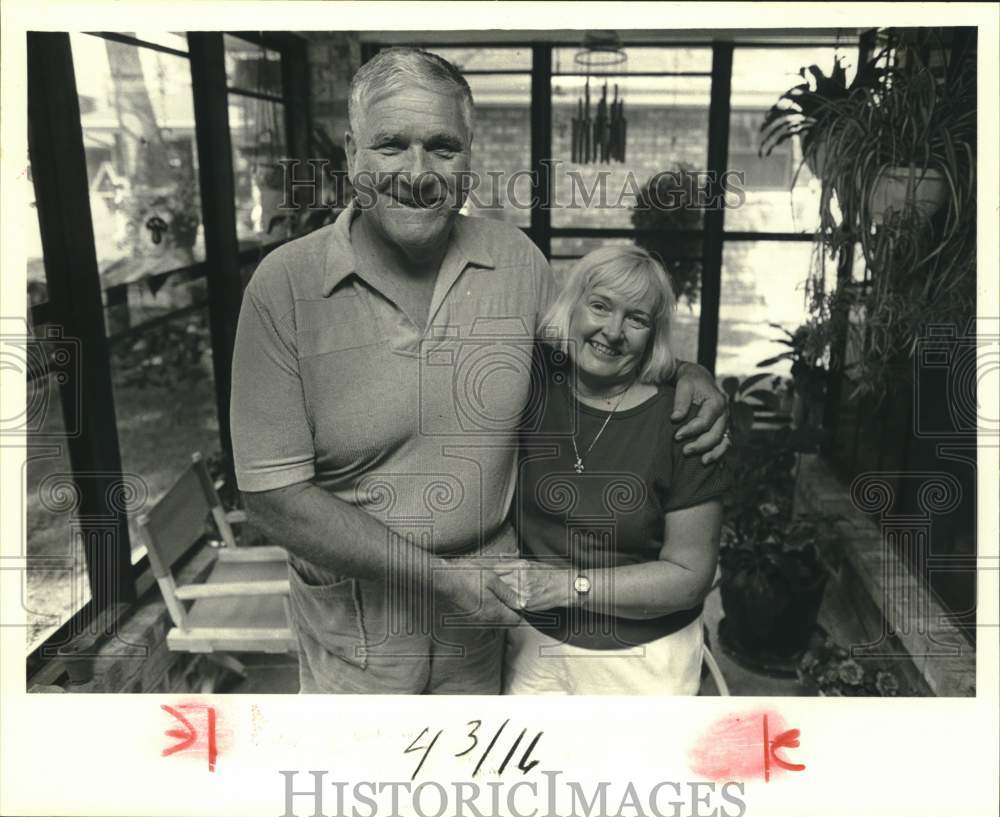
pixel 619 531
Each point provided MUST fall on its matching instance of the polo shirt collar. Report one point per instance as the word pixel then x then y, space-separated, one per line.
pixel 338 263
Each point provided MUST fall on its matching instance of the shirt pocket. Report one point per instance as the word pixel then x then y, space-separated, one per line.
pixel 507 314
pixel 328 619
pixel 340 324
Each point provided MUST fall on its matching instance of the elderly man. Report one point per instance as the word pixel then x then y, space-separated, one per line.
pixel 358 443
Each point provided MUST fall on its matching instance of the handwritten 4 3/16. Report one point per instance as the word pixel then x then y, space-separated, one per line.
pixel 471 742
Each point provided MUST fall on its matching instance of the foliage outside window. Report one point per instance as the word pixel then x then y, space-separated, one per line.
pixel 259 140
pixel 137 114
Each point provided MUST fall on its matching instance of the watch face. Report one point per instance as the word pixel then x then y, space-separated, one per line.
pixel 581 584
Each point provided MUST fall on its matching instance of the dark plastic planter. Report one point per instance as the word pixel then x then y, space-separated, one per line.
pixel 771 610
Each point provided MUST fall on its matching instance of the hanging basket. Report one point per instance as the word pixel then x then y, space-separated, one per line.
pixel 892 191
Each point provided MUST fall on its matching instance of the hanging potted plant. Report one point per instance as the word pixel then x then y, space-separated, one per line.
pixel 906 144
pixel 899 180
pixel 666 204
pixel 805 110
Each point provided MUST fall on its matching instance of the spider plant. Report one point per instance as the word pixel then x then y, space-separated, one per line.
pixel 910 125
pixel 804 109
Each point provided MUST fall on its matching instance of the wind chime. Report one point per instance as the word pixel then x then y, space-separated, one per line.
pixel 600 137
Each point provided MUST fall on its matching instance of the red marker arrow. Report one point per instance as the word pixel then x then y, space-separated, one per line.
pixel 787 739
pixel 734 747
pixel 187 736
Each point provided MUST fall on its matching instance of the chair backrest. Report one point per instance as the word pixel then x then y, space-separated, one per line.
pixel 177 521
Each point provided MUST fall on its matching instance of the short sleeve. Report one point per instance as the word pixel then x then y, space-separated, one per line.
pixel 691 482
pixel 272 435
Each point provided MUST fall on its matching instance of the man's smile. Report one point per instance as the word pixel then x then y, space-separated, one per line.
pixel 417 202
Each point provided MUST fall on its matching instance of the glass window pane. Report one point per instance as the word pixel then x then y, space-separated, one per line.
pixel 501 148
pixel 567 251
pixel 640 59
pixel 176 40
pixel 158 432
pixel 137 114
pixel 763 282
pixel 666 128
pixel 775 199
pixel 486 59
pixel 250 67
pixel 56 585
pixel 257 131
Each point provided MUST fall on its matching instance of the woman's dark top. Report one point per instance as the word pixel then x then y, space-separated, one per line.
pixel 611 514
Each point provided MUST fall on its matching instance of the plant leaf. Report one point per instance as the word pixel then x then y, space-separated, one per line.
pixel 753 380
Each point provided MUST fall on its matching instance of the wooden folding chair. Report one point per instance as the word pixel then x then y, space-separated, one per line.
pixel 242 606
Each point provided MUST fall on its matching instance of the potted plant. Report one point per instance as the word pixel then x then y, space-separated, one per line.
pixel 746 397
pixel 804 110
pixel 829 670
pixel 773 565
pixel 668 203
pixel 902 144
pixel 808 346
pixel 773 576
pixel 899 181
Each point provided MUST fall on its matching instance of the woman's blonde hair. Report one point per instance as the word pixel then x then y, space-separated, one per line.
pixel 631 272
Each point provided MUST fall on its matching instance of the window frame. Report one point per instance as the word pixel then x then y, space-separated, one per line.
pixel 76 302
pixel 713 231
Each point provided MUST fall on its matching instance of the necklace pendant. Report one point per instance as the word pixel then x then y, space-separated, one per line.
pixel 578 466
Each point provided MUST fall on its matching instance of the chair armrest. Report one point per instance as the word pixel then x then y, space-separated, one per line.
pixel 275 587
pixel 236 517
pixel 263 553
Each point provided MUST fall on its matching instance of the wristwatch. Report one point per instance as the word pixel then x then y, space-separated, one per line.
pixel 581 584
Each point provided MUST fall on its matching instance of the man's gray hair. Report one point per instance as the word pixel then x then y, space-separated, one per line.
pixel 396 68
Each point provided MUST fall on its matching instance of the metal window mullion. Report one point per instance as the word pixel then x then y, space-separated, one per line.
pixel 295 96
pixel 541 146
pixel 718 159
pixel 218 204
pixel 124 39
pixel 261 95
pixel 59 170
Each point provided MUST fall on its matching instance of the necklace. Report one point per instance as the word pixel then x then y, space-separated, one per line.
pixel 603 398
pixel 578 465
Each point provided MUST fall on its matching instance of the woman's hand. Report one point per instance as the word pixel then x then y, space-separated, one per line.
pixel 707 429
pixel 536 585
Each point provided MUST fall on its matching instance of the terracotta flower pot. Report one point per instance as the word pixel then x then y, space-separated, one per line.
pixel 891 191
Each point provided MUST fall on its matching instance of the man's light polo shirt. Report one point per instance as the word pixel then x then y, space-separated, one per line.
pixel 417 426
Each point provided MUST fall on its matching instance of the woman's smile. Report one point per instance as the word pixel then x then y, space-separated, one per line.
pixel 610 333
pixel 602 350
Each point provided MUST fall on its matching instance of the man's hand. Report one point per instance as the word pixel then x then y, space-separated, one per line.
pixel 474 586
pixel 537 586
pixel 707 429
